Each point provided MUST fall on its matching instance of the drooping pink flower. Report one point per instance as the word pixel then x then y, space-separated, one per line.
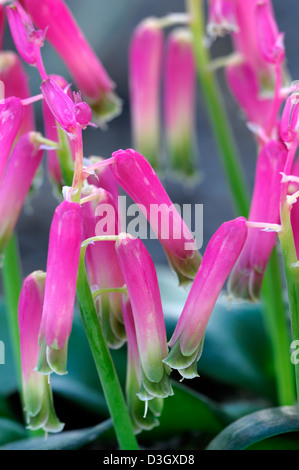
pixel 52 132
pixel 270 40
pixel 60 290
pixel 245 87
pixel 143 290
pixel 218 260
pixel 289 123
pixel 15 82
pixel 100 218
pixel 11 115
pixel 246 278
pixel 136 176
pixel 68 40
pixel 221 17
pixel 27 39
pixel 145 73
pixel 37 395
pixel 180 101
pixel 103 178
pixel 140 419
pixel 23 164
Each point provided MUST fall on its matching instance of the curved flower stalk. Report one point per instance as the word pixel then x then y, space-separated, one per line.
pixel 15 81
pixel 100 218
pixel 65 36
pixel 246 278
pixel 143 290
pixel 59 161
pixel 145 73
pixel 142 418
pixel 27 39
pixel 60 290
pixel 180 102
pixel 221 17
pixel 219 258
pixel 136 176
pixel 37 394
pixel 23 164
pixel 11 115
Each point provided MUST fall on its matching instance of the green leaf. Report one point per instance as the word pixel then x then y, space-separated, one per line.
pixel 69 440
pixel 236 349
pixel 10 431
pixel 256 427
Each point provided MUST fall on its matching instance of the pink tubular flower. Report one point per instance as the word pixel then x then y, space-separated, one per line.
pixel 133 381
pixel 246 278
pixel 38 401
pixel 68 114
pixel 15 81
pixel 143 290
pixel 68 40
pixel 294 187
pixel 23 164
pixel 245 87
pixel 62 268
pixel 28 41
pixel 136 176
pixel 180 101
pixel 11 114
pixel 100 217
pixel 145 71
pixel 219 258
pixel 52 133
pixel 289 123
pixel 221 17
pixel 103 178
pixel 269 39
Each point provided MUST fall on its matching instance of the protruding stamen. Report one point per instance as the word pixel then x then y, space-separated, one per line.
pixel 264 226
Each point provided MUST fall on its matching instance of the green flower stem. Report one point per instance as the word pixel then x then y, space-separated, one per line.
pixel 109 290
pixel 104 364
pixel 279 331
pixel 291 269
pixel 12 283
pixel 216 110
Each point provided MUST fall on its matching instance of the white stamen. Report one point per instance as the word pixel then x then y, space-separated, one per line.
pixel 266 227
pixel 145 408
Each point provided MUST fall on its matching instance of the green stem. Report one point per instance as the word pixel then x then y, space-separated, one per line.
pixel 104 364
pixel 216 110
pixel 279 331
pixel 108 290
pixel 12 283
pixel 292 275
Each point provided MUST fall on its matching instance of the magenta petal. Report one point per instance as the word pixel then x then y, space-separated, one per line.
pixel 11 115
pixel 62 268
pixel 219 258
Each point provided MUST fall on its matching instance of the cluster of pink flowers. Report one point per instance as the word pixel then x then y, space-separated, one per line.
pixel 120 270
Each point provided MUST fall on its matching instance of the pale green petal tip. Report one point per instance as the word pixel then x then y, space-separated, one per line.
pixel 57 359
pixel 185 269
pixel 161 389
pixel 186 365
pixel 113 329
pixel 106 108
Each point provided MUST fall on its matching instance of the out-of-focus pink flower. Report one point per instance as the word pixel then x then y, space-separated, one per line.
pixel 70 43
pixel 221 17
pixel 145 73
pixel 23 164
pixel 100 218
pixel 51 132
pixel 180 101
pixel 270 40
pixel 219 258
pixel 15 81
pixel 11 114
pixel 62 269
pixel 27 39
pixel 246 278
pixel 245 87
pixel 141 421
pixel 143 290
pixel 37 395
pixel 136 176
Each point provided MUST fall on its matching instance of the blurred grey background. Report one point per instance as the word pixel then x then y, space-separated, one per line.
pixel 108 26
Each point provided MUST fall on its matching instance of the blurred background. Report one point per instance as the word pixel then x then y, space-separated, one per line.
pixel 108 26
